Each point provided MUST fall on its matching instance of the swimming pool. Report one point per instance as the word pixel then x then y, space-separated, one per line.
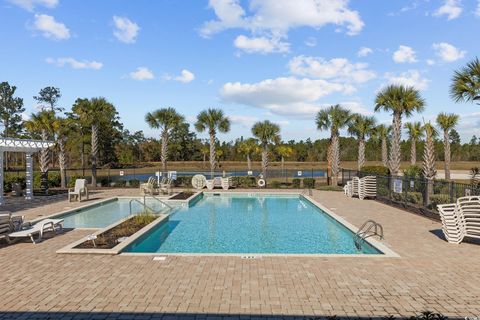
pixel 250 223
pixel 105 213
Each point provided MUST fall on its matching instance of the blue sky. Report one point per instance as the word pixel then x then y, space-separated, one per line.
pixel 281 60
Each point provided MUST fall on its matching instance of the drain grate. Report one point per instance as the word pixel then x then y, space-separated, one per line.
pixel 251 257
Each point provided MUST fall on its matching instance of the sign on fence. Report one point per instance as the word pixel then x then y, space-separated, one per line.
pixel 122 173
pixel 299 173
pixel 250 173
pixel 397 185
pixel 172 175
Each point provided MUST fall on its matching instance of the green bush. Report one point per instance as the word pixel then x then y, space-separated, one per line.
pixel 296 183
pixel 414 197
pixel 72 179
pixel 119 184
pixel 377 170
pixel 134 183
pixel 245 182
pixel 436 199
pixel 10 178
pixel 53 180
pixel 274 184
pixel 413 172
pixel 309 183
pixel 183 181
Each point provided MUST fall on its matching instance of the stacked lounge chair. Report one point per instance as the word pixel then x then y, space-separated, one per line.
pixel 12 227
pixel 461 219
pixel 367 187
pixel 227 183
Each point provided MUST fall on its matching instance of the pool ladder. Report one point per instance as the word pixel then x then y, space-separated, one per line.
pixel 308 192
pixel 368 229
pixel 144 205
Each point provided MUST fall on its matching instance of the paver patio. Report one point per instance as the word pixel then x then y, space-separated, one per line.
pixel 431 274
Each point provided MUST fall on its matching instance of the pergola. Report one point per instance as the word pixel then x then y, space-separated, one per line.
pixel 29 147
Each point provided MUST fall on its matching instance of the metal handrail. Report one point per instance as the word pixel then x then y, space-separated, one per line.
pixel 309 190
pixel 143 204
pixel 365 231
pixel 159 200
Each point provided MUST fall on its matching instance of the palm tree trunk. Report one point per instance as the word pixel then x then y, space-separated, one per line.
pixel 361 154
pixel 164 150
pixel 384 152
pixel 394 161
pixel 62 162
pixel 44 160
pixel 213 161
pixel 429 165
pixel 264 161
pixel 94 154
pixel 446 142
pixel 335 151
pixel 413 152
pixel 249 162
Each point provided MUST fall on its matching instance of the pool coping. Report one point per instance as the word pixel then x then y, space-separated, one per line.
pixel 385 252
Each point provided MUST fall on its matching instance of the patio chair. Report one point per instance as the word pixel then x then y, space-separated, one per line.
pixel 148 187
pixel 79 190
pixel 29 230
pixel 367 187
pixel 353 190
pixel 347 188
pixel 210 184
pixel 166 188
pixel 468 209
pixel 227 183
pixel 5 226
pixel 452 225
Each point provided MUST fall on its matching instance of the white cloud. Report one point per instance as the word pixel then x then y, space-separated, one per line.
pixel 364 51
pixel 125 30
pixel 284 96
pixel 410 78
pixel 448 52
pixel 450 8
pixel 311 42
pixel 260 44
pixel 430 62
pixel 50 28
pixel 244 121
pixel 338 69
pixel 185 76
pixel 477 11
pixel 404 54
pixel 142 73
pixel 75 64
pixel 31 4
pixel 273 19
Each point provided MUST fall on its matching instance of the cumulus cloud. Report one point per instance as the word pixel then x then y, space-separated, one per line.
pixel 50 28
pixel 31 4
pixel 142 73
pixel 364 51
pixel 338 69
pixel 448 52
pixel 273 19
pixel 404 54
pixel 410 78
pixel 185 76
pixel 284 96
pixel 311 42
pixel 260 44
pixel 244 121
pixel 477 11
pixel 75 64
pixel 125 30
pixel 450 8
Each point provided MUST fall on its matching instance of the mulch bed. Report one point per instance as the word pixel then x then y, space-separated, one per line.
pixel 109 238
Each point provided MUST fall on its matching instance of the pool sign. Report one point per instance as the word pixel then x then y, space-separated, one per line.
pixel 122 173
pixel 158 174
pixel 172 175
pixel 249 173
pixel 397 185
pixel 299 173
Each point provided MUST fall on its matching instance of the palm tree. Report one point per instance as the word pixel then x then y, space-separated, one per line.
pixel 284 151
pixel 165 119
pixel 333 118
pixel 400 100
pixel 447 122
pixel 212 120
pixel 62 128
pixel 267 133
pixel 90 113
pixel 248 148
pixel 415 132
pixel 361 127
pixel 43 123
pixel 429 171
pixel 466 83
pixel 204 149
pixel 381 134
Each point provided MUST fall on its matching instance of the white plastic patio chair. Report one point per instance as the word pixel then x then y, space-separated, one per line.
pixel 148 187
pixel 80 190
pixel 166 187
pixel 38 229
pixel 227 183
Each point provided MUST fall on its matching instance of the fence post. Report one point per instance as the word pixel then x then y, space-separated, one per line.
pixel 452 191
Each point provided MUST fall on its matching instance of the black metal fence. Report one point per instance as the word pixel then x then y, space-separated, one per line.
pixel 415 194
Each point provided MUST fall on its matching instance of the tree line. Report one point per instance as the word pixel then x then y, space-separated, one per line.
pixel 92 135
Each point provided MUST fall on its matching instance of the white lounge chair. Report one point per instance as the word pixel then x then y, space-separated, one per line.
pixel 451 223
pixel 5 226
pixel 166 187
pixel 80 190
pixel 461 219
pixel 210 184
pixel 367 187
pixel 353 190
pixel 227 183
pixel 347 188
pixel 149 186
pixel 38 229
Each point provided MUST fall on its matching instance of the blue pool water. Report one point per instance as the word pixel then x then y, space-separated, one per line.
pixel 105 214
pixel 241 223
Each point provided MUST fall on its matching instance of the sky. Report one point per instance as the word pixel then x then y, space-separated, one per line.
pixel 277 60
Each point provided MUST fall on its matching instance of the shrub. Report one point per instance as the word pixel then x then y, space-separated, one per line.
pixel 296 183
pixel 413 172
pixel 119 183
pixel 414 197
pixel 274 184
pixel 436 199
pixel 53 179
pixel 71 180
pixel 11 178
pixel 377 170
pixel 245 182
pixel 309 183
pixel 183 181
pixel 134 183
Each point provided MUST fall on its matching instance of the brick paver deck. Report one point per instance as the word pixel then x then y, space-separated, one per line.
pixel 430 275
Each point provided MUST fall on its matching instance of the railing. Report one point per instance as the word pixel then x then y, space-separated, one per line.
pixel 142 204
pixel 366 231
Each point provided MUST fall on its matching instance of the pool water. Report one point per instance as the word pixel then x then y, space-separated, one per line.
pixel 105 213
pixel 243 223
